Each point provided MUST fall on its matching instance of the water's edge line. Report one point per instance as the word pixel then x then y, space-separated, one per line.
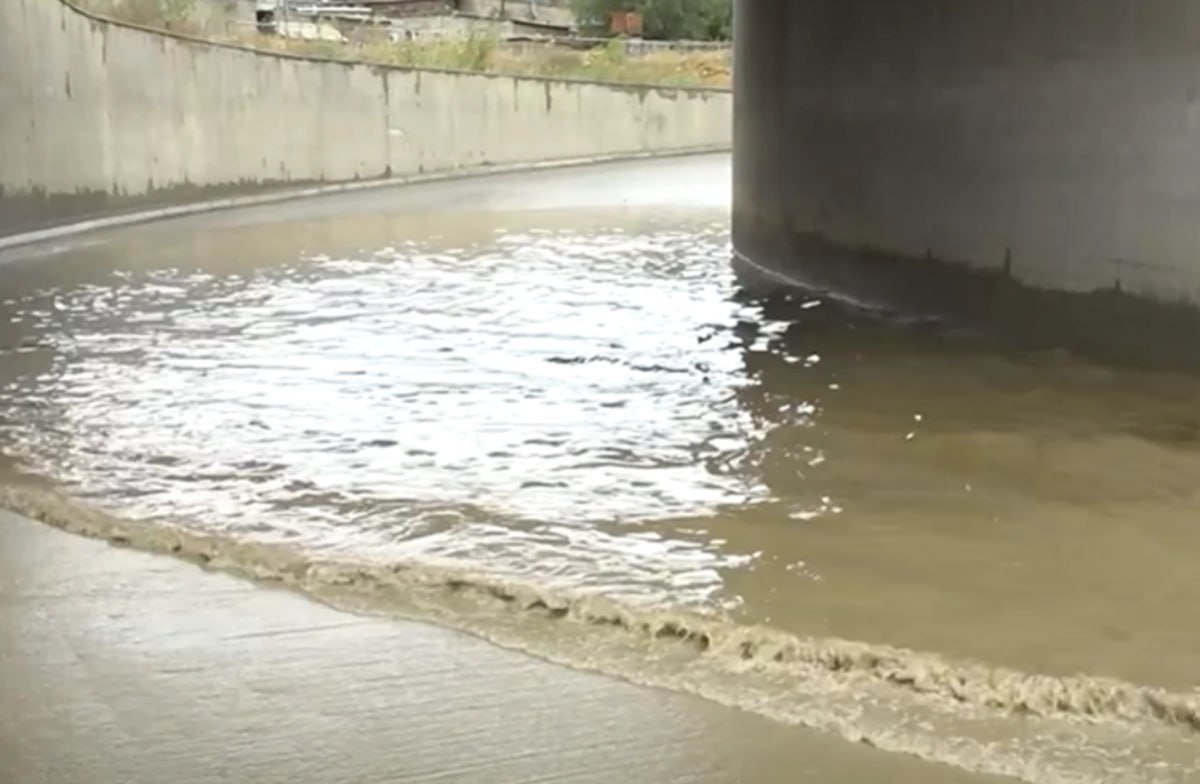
pixel 1002 689
pixel 403 591
pixel 139 217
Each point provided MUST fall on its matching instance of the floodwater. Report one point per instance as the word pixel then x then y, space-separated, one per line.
pixel 538 409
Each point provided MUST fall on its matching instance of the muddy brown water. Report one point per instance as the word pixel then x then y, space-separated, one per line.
pixel 538 409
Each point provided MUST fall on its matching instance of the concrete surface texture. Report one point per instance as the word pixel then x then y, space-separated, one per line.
pixel 1048 144
pixel 102 117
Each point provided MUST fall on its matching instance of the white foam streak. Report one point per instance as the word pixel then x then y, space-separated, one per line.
pixel 968 714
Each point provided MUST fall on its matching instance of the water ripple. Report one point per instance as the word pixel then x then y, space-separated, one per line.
pixel 412 399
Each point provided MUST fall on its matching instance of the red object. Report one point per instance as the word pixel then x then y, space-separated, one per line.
pixel 626 23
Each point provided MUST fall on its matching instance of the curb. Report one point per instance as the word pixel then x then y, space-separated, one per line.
pixel 235 202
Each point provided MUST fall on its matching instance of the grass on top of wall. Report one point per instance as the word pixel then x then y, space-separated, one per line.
pixel 609 62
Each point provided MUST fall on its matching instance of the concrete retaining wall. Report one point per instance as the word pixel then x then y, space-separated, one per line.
pixel 100 117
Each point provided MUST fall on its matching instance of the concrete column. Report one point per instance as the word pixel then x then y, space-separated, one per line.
pixel 983 159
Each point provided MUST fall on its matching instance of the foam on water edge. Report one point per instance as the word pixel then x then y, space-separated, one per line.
pixel 1039 728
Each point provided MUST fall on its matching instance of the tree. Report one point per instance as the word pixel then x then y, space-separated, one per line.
pixel 695 20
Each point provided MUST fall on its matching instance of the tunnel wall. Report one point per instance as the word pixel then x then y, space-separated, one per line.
pixel 948 154
pixel 100 117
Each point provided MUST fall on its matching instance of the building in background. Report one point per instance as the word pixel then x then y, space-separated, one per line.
pixel 423 19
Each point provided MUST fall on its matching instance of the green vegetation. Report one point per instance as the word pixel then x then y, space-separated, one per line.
pixel 606 63
pixel 610 62
pixel 167 14
pixel 680 20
